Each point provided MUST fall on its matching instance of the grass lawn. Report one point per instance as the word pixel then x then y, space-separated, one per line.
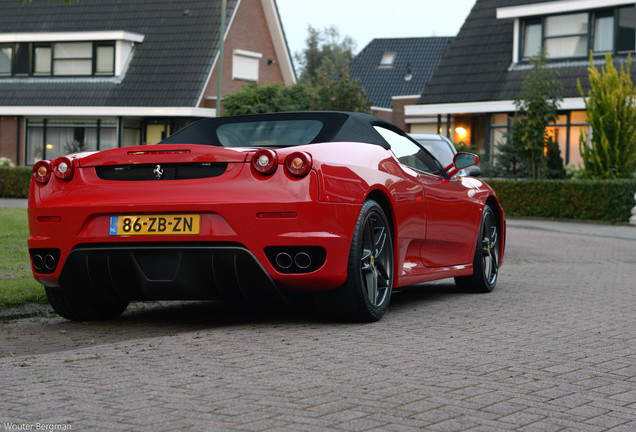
pixel 17 286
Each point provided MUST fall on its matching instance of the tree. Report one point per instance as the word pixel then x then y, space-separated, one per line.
pixel 537 106
pixel 507 157
pixel 610 152
pixel 555 168
pixel 341 94
pixel 324 54
pixel 325 82
pixel 263 98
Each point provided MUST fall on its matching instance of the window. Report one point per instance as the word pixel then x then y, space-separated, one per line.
pixel 387 60
pixel 409 153
pixel 604 33
pixel 279 133
pixel 22 59
pixel 626 37
pixel 42 60
pixel 58 59
pixel 6 59
pixel 104 59
pixel 574 35
pixel 532 39
pixel 72 58
pixel 566 36
pixel 50 138
pixel 245 65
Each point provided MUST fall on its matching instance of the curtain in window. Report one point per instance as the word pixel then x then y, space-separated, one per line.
pixel 562 25
pixel 573 46
pixel 5 61
pixel 107 138
pixel 604 34
pixel 566 35
pixel 532 40
pixel 34 145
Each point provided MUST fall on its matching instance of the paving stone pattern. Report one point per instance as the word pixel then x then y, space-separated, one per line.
pixel 552 348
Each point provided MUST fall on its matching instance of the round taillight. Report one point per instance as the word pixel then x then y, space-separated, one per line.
pixel 42 171
pixel 298 164
pixel 63 168
pixel 265 161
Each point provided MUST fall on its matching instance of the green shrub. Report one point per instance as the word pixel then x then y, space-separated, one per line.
pixel 14 182
pixel 602 200
pixel 611 113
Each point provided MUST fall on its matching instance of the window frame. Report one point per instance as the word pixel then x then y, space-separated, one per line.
pixel 388 60
pixel 11 48
pixel 31 48
pixel 241 59
pixel 104 44
pixel 590 35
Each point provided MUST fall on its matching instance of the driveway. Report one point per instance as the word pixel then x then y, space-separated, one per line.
pixel 552 348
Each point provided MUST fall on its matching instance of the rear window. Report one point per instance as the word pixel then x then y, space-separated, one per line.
pixel 281 133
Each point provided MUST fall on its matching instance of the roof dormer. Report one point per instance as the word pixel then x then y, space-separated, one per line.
pixel 66 54
pixel 571 29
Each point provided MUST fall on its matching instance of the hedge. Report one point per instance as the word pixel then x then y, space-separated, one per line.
pixel 602 200
pixel 14 182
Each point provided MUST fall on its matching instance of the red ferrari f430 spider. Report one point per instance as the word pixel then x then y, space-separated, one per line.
pixel 343 206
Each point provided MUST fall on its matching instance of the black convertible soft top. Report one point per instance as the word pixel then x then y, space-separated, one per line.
pixel 333 126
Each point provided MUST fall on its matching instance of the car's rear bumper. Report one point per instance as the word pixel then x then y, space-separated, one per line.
pixel 164 271
pixel 199 266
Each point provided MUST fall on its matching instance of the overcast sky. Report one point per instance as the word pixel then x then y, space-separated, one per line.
pixel 365 20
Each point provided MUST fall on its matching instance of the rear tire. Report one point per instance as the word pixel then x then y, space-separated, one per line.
pixel 486 259
pixel 76 308
pixel 367 291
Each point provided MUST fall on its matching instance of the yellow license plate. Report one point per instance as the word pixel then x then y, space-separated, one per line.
pixel 180 224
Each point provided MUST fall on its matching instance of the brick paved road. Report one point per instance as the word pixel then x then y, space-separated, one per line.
pixel 553 348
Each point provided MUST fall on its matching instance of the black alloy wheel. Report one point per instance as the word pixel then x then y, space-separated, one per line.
pixel 376 258
pixel 486 259
pixel 367 291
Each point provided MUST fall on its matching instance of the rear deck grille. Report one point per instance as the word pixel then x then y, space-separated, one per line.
pixel 180 171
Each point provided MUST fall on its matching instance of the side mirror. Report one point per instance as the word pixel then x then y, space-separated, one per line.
pixel 460 161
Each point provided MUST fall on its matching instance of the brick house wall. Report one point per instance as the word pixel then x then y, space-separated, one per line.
pixel 397 115
pixel 248 32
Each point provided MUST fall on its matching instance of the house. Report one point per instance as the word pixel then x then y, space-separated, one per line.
pixel 471 95
pixel 99 74
pixel 395 71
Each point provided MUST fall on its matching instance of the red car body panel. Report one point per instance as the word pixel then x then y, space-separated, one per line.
pixel 435 219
